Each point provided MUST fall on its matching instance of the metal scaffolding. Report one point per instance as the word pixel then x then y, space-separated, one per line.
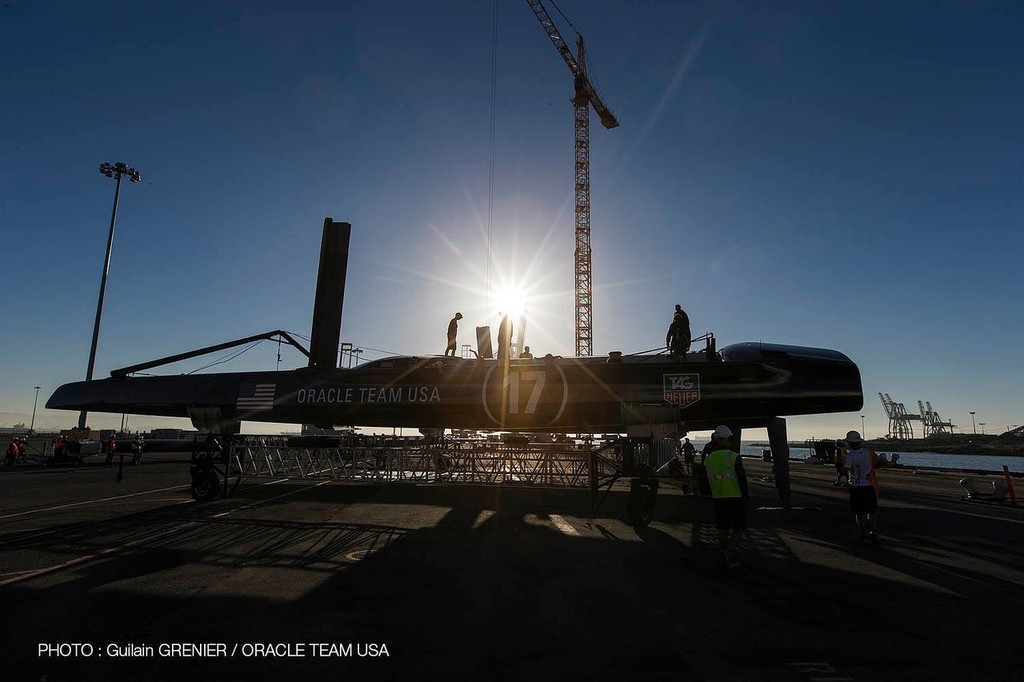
pixel 473 462
pixel 514 461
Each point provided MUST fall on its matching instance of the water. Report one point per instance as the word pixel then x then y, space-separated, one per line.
pixel 938 460
pixel 932 460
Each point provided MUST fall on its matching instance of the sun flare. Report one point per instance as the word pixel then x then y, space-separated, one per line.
pixel 511 301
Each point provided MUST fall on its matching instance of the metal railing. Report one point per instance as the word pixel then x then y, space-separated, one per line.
pixel 471 462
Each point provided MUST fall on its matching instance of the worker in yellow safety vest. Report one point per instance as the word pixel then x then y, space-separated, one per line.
pixel 729 493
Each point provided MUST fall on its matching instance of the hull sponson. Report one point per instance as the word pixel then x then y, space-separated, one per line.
pixel 749 382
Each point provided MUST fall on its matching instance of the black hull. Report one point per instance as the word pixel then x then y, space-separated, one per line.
pixel 749 383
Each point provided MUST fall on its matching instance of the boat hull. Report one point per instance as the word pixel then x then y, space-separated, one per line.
pixel 744 384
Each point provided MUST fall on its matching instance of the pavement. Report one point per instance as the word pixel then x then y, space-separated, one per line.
pixel 132 580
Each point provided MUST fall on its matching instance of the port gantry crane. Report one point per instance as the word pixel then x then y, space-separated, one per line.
pixel 584 97
pixel 933 424
pixel 900 426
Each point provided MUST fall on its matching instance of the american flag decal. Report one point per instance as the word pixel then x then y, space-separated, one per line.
pixel 256 397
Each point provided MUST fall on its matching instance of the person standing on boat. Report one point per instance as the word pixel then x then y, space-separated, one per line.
pixel 729 492
pixel 504 337
pixel 861 463
pixel 453 334
pixel 677 340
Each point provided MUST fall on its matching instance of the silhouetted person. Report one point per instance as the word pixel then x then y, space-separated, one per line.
pixel 688 455
pixel 111 449
pixel 453 333
pixel 729 492
pixel 705 451
pixel 526 354
pixel 504 337
pixel 59 449
pixel 677 340
pixel 862 464
pixel 842 473
pixel 689 452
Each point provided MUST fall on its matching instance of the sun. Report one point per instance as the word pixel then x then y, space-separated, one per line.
pixel 511 301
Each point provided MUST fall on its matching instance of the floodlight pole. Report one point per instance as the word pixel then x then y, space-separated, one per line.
pixel 111 171
pixel 32 426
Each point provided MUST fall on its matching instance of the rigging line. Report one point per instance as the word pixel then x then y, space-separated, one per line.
pixel 490 171
pixel 379 350
pixel 592 72
pixel 227 359
pixel 564 17
pixel 589 66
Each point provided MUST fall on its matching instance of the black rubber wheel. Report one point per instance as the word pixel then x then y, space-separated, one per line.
pixel 205 486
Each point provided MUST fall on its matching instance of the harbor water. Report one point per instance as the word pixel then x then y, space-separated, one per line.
pixel 929 460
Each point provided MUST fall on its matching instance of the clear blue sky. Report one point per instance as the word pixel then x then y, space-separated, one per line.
pixel 841 175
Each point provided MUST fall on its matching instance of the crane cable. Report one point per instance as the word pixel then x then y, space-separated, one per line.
pixel 589 67
pixel 559 9
pixel 490 171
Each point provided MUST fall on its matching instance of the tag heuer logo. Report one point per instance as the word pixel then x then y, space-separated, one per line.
pixel 682 389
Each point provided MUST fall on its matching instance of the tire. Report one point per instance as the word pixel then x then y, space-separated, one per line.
pixel 205 486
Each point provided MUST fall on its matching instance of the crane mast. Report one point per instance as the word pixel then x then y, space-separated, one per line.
pixel 584 97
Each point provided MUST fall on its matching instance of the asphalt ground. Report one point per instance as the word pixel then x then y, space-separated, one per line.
pixel 307 578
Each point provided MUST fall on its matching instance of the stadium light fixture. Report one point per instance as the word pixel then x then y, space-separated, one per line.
pixel 116 171
pixel 32 426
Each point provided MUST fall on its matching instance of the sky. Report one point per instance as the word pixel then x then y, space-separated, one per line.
pixel 844 175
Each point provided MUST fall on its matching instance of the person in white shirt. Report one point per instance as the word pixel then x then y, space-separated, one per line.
pixel 861 463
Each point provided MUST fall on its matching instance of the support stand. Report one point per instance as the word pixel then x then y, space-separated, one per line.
pixel 780 453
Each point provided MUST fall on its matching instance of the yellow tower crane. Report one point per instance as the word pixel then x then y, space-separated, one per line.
pixel 585 95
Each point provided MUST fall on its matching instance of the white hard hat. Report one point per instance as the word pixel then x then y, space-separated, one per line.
pixel 722 431
pixel 853 437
